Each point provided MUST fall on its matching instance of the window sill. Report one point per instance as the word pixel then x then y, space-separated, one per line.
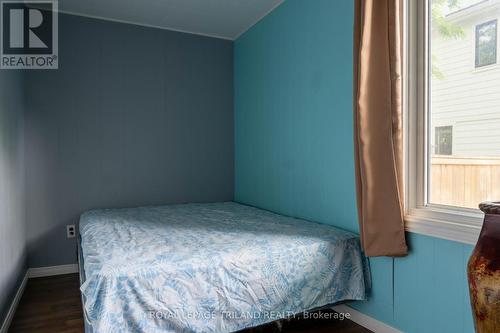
pixel 484 68
pixel 441 223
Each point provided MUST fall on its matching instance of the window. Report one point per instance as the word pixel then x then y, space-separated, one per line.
pixel 486 43
pixel 443 140
pixel 451 169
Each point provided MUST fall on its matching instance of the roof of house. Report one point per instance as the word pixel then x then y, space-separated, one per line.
pixel 472 9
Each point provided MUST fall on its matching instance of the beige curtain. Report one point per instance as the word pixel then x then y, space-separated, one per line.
pixel 378 126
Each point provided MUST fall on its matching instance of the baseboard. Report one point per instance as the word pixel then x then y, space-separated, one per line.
pixel 34 273
pixel 13 305
pixel 366 321
pixel 52 270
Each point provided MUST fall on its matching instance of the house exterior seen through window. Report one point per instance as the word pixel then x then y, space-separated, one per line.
pixel 463 110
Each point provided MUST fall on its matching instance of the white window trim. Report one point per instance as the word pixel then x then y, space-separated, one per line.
pixel 451 223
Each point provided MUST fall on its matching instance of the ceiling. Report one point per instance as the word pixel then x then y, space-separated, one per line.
pixel 217 18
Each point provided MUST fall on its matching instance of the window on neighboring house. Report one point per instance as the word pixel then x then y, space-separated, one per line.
pixel 443 140
pixel 486 43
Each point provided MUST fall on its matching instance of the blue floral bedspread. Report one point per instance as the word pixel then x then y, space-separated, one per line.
pixel 216 267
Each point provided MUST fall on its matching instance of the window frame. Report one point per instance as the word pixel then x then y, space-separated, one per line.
pixel 446 222
pixel 476 44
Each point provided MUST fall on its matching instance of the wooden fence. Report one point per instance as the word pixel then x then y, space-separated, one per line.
pixel 464 182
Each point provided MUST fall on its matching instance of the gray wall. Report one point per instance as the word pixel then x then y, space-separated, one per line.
pixel 12 227
pixel 134 116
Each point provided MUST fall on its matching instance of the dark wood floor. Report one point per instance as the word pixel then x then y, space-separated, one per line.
pixel 52 305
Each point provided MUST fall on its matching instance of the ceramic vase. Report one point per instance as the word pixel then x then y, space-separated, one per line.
pixel 483 272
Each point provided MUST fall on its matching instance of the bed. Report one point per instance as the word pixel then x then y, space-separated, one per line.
pixel 218 267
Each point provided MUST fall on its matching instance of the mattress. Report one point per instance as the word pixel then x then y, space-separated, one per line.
pixel 218 267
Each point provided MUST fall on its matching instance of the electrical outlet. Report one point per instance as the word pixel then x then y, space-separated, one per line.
pixel 70 231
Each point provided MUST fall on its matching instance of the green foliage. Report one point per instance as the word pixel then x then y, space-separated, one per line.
pixel 436 72
pixel 445 28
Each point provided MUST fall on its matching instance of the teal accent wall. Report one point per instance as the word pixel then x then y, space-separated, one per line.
pixel 293 119
pixel 294 156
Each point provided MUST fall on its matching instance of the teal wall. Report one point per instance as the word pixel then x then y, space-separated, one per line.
pixel 293 119
pixel 294 155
